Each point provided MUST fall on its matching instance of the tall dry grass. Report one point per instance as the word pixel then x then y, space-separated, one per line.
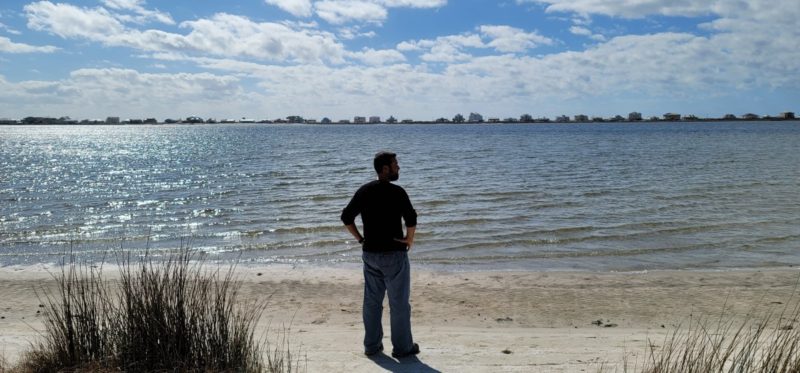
pixel 159 315
pixel 765 342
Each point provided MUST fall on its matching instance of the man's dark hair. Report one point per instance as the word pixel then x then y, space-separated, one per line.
pixel 383 159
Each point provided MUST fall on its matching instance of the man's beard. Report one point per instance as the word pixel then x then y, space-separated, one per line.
pixel 394 177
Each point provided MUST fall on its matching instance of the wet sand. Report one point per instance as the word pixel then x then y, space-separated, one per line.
pixel 467 321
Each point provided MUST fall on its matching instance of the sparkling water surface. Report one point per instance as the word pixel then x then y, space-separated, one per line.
pixel 532 197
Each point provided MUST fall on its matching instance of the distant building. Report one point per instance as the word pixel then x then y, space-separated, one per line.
pixel 374 120
pixel 112 120
pixel 8 121
pixel 407 121
pixel 475 118
pixel 359 120
pixel 193 120
pixel 311 121
pixel 493 120
pixel 391 120
pixel 786 115
pixel 729 117
pixel 150 121
pixel 562 119
pixel 634 116
pixel 672 116
pixel 690 117
pixel 326 120
pixel 581 118
pixel 750 116
pixel 526 118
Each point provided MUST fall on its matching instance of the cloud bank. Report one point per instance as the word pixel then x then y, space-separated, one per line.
pixel 274 69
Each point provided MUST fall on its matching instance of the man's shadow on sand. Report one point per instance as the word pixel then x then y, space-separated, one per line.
pixel 406 364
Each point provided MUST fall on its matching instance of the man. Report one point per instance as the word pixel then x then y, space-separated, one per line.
pixel 382 205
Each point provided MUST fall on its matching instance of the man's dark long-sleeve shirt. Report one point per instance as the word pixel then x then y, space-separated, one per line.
pixel 381 206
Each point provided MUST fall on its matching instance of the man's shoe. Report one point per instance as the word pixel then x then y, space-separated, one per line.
pixel 372 353
pixel 414 351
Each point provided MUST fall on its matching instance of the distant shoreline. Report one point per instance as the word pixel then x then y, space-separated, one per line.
pixel 334 124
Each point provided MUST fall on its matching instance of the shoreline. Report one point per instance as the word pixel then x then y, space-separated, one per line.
pixel 464 321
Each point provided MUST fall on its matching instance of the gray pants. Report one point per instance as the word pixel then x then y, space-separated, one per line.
pixel 387 272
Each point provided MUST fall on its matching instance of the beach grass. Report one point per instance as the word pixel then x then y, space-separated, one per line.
pixel 163 314
pixel 765 342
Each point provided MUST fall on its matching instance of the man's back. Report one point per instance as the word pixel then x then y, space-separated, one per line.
pixel 383 207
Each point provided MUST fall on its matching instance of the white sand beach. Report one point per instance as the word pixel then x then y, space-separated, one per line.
pixel 467 321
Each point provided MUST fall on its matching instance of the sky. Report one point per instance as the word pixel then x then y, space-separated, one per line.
pixel 411 59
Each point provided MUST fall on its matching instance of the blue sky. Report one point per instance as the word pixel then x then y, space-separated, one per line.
pixel 419 59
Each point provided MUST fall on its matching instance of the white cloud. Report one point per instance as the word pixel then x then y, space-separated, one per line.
pixel 350 33
pixel 8 46
pixel 631 8
pixel 378 57
pixel 231 35
pixel 511 39
pixel 9 29
pixel 97 93
pixel 297 8
pixel 137 6
pixel 583 31
pixel 444 48
pixel 69 21
pixel 452 48
pixel 342 11
pixel 414 3
pixel 221 35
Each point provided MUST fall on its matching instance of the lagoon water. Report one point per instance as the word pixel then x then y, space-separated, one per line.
pixel 532 197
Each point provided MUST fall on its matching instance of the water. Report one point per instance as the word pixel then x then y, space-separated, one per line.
pixel 534 197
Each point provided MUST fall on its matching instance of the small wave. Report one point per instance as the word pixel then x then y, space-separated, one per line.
pixel 446 255
pixel 308 230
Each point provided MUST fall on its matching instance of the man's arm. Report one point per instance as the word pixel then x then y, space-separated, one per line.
pixel 409 240
pixel 354 231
